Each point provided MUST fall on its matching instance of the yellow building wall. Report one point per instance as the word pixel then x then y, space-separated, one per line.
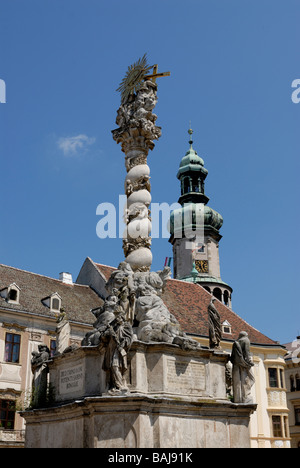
pixel 270 401
pixel 16 378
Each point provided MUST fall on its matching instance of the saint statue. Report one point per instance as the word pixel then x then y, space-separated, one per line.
pixel 121 284
pixel 242 375
pixel 118 338
pixel 215 329
pixel 40 371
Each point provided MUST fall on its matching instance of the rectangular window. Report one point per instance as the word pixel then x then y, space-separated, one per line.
pixel 7 414
pixel 281 378
pixel 273 379
pixel 13 295
pixel 297 415
pixel 52 347
pixel 277 428
pixel 286 426
pixel 55 304
pixel 12 347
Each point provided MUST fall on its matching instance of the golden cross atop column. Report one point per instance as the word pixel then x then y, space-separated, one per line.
pixel 156 75
pixel 136 74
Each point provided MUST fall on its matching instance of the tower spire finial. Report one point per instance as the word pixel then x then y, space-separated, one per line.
pixel 190 132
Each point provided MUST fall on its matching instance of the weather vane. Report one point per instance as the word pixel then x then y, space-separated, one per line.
pixel 136 74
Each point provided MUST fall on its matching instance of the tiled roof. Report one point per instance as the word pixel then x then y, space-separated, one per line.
pixel 293 348
pixel 77 300
pixel 189 302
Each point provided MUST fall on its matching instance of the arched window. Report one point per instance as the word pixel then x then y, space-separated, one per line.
pixel 218 293
pixel 186 185
pixel 207 288
pixel 226 298
pixel 196 185
pixel 200 185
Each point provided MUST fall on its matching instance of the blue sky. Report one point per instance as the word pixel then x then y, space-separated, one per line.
pixel 232 64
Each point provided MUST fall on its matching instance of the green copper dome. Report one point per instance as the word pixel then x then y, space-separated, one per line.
pixel 191 162
pixel 187 216
pixel 191 157
pixel 192 175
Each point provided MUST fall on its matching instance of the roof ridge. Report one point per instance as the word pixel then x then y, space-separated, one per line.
pixel 102 264
pixel 42 276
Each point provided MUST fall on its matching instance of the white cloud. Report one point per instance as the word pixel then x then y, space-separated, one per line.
pixel 72 146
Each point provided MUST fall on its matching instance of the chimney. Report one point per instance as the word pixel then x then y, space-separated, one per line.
pixel 66 278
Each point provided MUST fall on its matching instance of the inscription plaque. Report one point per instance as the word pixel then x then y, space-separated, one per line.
pixel 71 379
pixel 185 377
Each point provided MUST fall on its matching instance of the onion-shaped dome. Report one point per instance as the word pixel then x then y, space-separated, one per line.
pixel 193 216
pixel 191 162
pixel 212 218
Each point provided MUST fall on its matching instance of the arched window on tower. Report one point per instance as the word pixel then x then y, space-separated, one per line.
pixel 186 185
pixel 218 293
pixel 207 289
pixel 199 185
pixel 226 298
pixel 196 185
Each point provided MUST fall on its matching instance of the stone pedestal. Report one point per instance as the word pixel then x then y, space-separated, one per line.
pixel 176 399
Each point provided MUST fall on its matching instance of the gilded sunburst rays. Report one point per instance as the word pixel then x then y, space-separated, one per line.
pixel 134 78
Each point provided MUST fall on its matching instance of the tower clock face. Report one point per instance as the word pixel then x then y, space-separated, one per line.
pixel 201 266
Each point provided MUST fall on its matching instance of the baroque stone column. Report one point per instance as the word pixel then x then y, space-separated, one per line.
pixel 136 133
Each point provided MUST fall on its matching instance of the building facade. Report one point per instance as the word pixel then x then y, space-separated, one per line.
pixel 29 307
pixel 292 377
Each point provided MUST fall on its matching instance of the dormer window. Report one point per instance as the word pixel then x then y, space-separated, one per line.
pixel 53 302
pixel 226 327
pixel 11 294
